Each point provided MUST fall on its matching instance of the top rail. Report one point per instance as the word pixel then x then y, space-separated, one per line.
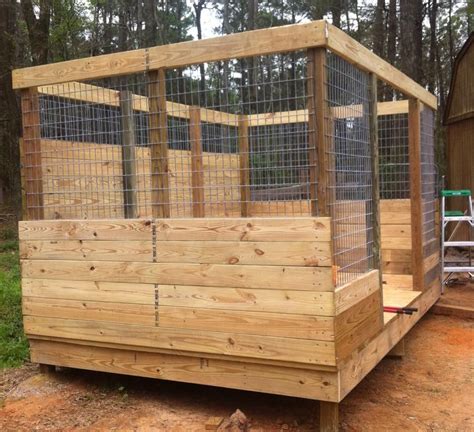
pixel 239 45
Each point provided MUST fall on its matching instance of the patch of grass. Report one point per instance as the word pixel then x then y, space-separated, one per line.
pixel 13 343
pixel 8 232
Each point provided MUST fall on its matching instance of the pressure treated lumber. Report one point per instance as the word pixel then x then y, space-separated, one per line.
pixel 224 343
pixel 197 176
pixel 244 158
pixel 289 381
pixel 239 276
pixel 248 299
pixel 361 362
pixel 160 195
pixel 129 169
pixel 100 250
pixel 328 416
pixel 414 142
pixel 33 181
pixel 348 295
pixel 245 44
pixel 349 49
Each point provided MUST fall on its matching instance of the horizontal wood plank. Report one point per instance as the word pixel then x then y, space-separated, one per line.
pixel 265 378
pixel 106 229
pixel 285 349
pixel 245 229
pixel 354 291
pixel 311 254
pixel 100 250
pixel 238 276
pixel 243 299
pixel 127 313
pixel 115 292
pixel 245 44
pixel 245 322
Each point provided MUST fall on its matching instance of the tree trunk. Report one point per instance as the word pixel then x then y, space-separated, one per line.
pixel 433 15
pixel 411 17
pixel 38 29
pixel 9 111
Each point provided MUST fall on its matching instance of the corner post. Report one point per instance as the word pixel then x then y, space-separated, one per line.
pixel 197 178
pixel 160 194
pixel 318 137
pixel 414 142
pixel 328 416
pixel 128 155
pixel 31 159
pixel 244 152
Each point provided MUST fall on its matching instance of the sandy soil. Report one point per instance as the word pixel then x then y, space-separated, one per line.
pixel 431 389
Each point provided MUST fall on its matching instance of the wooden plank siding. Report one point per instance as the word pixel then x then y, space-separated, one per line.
pixel 228 287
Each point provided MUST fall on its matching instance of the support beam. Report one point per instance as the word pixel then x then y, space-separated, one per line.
pixel 197 175
pixel 31 160
pixel 47 369
pixel 398 351
pixel 244 151
pixel 158 125
pixel 322 117
pixel 414 142
pixel 328 416
pixel 128 156
pixel 313 129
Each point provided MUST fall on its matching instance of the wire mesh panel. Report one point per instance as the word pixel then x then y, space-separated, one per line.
pixel 350 183
pixel 428 174
pixel 394 156
pixel 219 139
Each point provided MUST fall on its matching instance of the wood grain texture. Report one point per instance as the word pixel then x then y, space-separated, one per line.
pixel 239 276
pixel 197 176
pixel 223 343
pixel 246 44
pixel 414 142
pixel 309 254
pixel 289 381
pixel 248 322
pixel 354 291
pixel 349 49
pixel 277 229
pixel 248 299
pixel 99 250
pixel 106 229
pixel 358 324
pixel 361 362
pixel 113 292
pixel 126 313
pixel 31 150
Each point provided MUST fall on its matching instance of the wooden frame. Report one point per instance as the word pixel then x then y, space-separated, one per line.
pixel 247 44
pixel 240 302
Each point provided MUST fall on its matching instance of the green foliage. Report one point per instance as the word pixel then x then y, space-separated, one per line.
pixel 13 343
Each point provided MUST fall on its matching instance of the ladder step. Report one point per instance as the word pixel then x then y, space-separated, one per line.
pixel 458 243
pixel 459 218
pixel 456 193
pixel 459 269
pixel 454 213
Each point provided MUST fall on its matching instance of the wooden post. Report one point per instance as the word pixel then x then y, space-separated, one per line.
pixel 374 160
pixel 318 117
pixel 414 142
pixel 316 101
pixel 328 416
pixel 195 137
pixel 31 160
pixel 158 124
pixel 398 351
pixel 244 150
pixel 128 155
